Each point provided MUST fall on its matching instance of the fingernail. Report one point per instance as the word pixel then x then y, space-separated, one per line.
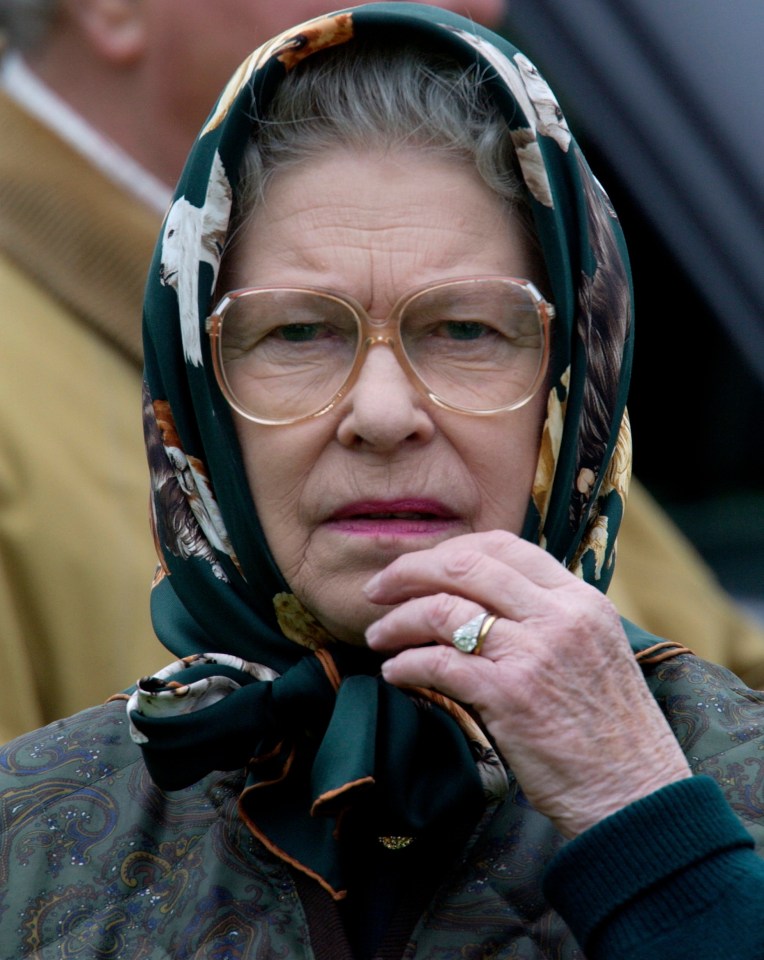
pixel 371 588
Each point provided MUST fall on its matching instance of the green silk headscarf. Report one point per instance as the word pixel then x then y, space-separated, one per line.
pixel 318 730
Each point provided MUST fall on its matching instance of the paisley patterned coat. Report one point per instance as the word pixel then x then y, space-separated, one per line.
pixel 96 861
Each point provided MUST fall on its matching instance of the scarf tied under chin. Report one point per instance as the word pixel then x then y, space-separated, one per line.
pixel 317 742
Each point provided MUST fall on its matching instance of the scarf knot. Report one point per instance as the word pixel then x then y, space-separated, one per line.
pixel 317 743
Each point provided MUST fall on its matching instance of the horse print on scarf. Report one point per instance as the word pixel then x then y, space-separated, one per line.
pixel 185 517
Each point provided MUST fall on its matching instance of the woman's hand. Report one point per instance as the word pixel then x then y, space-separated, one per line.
pixel 556 684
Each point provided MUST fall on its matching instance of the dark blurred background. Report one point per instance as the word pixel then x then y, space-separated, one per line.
pixel 666 101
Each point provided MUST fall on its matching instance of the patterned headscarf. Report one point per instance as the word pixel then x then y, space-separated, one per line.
pixel 260 685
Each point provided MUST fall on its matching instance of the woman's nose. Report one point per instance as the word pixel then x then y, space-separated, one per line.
pixel 383 409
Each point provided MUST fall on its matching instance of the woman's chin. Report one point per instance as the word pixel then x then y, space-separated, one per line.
pixel 351 624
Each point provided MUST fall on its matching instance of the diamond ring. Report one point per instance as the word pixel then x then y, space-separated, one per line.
pixel 469 636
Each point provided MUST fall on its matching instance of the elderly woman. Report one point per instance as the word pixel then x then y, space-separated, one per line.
pixel 388 338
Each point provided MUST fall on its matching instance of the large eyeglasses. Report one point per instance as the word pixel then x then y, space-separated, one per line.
pixel 478 345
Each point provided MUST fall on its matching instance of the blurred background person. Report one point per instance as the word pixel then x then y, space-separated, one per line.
pixel 97 116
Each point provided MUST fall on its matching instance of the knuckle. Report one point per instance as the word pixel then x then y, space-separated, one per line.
pixel 442 612
pixel 464 564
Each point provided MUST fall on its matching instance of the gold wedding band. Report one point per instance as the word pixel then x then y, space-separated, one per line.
pixel 489 621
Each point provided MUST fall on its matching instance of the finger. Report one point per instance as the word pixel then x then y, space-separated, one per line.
pixel 532 561
pixel 442 668
pixel 422 620
pixel 462 567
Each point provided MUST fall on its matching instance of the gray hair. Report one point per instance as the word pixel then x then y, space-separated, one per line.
pixel 382 98
pixel 24 23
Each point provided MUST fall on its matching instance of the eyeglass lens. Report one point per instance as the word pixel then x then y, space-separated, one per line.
pixel 477 345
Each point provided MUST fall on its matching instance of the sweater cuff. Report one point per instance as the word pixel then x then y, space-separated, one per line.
pixel 637 849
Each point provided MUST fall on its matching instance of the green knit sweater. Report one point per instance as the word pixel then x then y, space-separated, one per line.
pixel 610 884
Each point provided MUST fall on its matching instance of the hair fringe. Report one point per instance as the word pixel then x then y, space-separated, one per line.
pixel 385 98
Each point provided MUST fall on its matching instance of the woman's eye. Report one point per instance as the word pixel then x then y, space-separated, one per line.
pixel 464 329
pixel 301 332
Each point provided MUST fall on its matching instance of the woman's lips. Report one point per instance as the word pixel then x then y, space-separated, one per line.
pixel 407 517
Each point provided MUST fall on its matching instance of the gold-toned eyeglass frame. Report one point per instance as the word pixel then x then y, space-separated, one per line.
pixel 375 332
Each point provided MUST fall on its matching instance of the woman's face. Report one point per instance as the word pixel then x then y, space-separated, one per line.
pixel 386 471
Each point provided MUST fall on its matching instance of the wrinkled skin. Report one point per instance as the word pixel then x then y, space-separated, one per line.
pixel 556 683
pixel 374 228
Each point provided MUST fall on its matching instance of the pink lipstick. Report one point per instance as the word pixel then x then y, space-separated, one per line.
pixel 405 517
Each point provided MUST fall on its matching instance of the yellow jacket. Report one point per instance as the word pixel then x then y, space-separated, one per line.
pixel 76 552
pixel 662 584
